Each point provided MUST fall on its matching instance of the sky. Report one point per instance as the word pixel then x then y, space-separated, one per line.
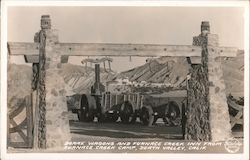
pixel 150 25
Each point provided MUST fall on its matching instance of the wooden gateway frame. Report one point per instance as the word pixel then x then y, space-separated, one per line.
pixel 48 54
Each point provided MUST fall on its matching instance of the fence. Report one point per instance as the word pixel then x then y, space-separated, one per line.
pixel 20 134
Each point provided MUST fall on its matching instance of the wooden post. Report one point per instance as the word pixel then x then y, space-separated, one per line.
pixel 103 99
pixel 129 96
pixel 109 66
pixel 104 66
pixel 106 101
pixel 29 115
pixel 8 131
pixel 142 99
pixel 35 120
pixel 110 101
pixel 138 101
pixel 116 99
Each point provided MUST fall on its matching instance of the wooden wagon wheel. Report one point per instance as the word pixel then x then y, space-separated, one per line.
pixel 173 113
pixel 85 114
pixel 146 115
pixel 126 112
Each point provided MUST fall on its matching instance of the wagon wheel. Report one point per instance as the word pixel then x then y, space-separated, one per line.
pixel 85 114
pixel 126 112
pixel 173 114
pixel 113 117
pixel 146 116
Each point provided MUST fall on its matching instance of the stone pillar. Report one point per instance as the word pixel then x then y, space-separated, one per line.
pixel 196 121
pixel 207 115
pixel 57 121
pixel 53 121
pixel 197 125
pixel 219 115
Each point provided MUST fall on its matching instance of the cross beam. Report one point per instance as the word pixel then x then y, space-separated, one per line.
pixel 31 50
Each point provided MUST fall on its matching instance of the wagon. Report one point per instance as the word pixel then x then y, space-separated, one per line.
pixel 109 107
pixel 128 107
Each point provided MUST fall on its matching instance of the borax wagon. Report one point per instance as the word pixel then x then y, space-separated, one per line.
pixel 108 107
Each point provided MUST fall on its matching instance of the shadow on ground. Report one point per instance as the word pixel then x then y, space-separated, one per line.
pixel 119 130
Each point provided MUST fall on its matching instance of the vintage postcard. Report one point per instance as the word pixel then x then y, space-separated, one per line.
pixel 124 80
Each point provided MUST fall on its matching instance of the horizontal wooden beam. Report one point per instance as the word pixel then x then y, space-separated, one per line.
pixel 194 60
pixel 98 49
pixel 23 48
pixel 141 50
pixel 31 50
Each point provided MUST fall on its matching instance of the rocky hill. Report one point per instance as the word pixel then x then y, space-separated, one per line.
pixel 80 78
pixel 168 70
pixel 173 71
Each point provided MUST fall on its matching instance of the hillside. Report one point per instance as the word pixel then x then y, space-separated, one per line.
pixel 173 71
pixel 170 71
pixel 82 78
pixel 19 84
pixel 79 78
pixel 233 70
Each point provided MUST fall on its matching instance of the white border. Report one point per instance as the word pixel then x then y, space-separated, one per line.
pixel 70 156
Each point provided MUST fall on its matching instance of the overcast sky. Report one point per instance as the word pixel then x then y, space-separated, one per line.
pixel 158 25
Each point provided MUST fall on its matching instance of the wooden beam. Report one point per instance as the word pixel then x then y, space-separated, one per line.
pixel 30 50
pixel 98 49
pixel 23 48
pixel 194 60
pixel 141 50
pixel 31 58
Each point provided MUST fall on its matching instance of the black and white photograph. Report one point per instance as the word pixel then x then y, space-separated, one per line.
pixel 124 80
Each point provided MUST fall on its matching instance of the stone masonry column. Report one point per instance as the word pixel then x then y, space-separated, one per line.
pixel 197 125
pixel 57 121
pixel 219 115
pixel 52 96
pixel 207 115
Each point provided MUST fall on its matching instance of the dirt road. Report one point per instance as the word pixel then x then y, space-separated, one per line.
pixel 118 131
